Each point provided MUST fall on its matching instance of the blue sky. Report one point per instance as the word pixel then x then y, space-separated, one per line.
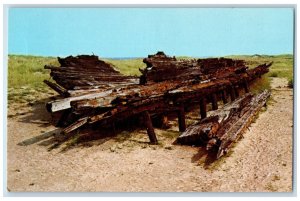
pixel 137 32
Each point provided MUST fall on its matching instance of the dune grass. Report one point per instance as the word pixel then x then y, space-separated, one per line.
pixel 25 77
pixel 26 73
pixel 282 64
pixel 28 70
pixel 128 66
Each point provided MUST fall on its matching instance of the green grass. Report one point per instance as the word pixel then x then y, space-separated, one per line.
pixel 273 74
pixel 282 64
pixel 260 84
pixel 26 73
pixel 128 66
pixel 25 77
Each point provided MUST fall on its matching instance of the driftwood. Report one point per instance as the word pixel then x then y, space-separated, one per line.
pixel 226 125
pixel 94 91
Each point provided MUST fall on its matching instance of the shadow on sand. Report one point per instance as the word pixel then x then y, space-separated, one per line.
pixel 38 114
pixel 207 157
pixel 90 136
pixel 85 137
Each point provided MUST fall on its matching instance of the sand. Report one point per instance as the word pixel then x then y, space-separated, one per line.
pixel 260 162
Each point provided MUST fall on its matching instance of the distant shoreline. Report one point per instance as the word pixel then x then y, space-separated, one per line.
pixel 131 58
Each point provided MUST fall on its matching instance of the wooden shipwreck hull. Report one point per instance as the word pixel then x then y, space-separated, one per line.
pixel 85 74
pixel 225 125
pixel 94 91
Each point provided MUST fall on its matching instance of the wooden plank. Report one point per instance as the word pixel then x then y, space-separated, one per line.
pixel 206 129
pixel 197 133
pixel 225 125
pixel 65 103
pixel 60 90
pixel 75 125
pixel 93 103
pixel 235 131
pixel 175 82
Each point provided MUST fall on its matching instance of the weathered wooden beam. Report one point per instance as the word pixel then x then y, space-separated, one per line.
pixel 75 125
pixel 93 103
pixel 168 80
pixel 91 76
pixel 181 119
pixel 57 88
pixel 203 112
pixel 149 127
pixel 79 92
pixel 214 101
pixel 198 133
pixel 248 113
pixel 225 125
pixel 75 70
pixel 65 103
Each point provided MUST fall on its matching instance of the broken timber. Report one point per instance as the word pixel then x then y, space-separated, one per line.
pixel 225 126
pixel 94 91
pixel 149 127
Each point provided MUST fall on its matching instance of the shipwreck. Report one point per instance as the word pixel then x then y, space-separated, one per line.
pixel 93 91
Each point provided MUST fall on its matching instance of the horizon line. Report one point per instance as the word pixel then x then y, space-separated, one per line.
pixel 137 57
